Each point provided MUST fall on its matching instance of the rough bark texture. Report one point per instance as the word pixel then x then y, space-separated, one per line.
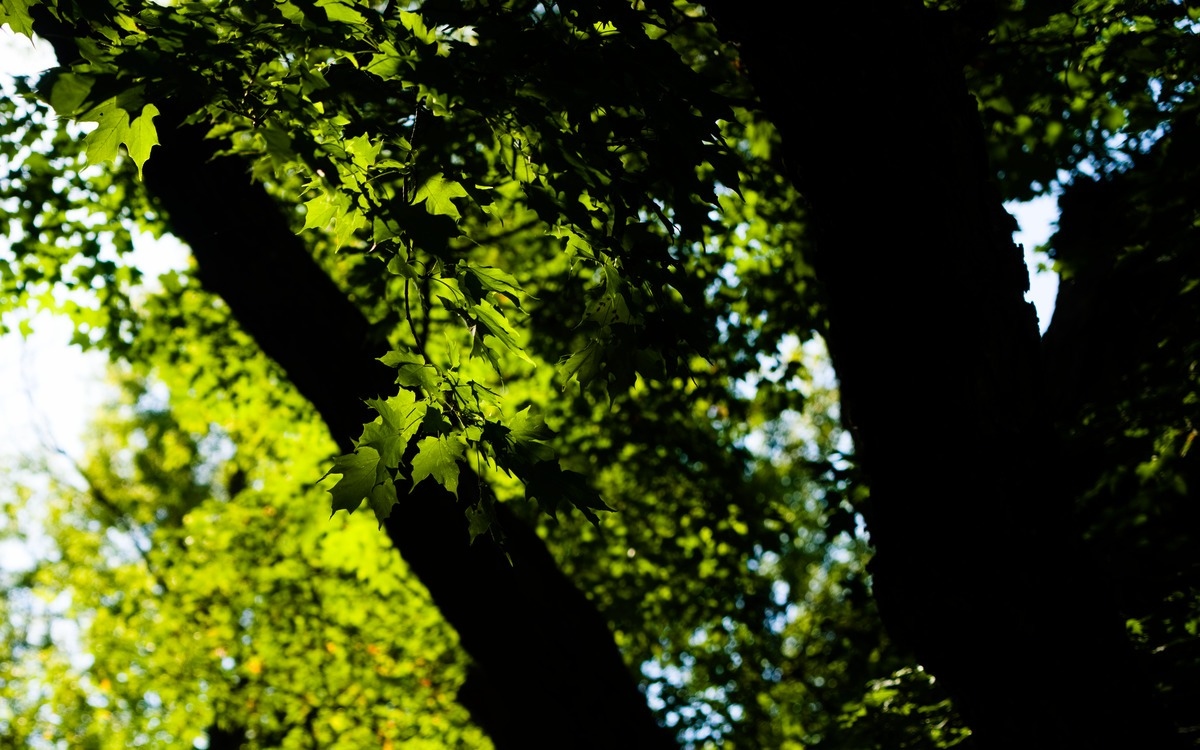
pixel 546 671
pixel 937 352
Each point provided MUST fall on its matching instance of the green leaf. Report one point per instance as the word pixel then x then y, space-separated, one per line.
pixel 397 412
pixel 414 23
pixel 399 419
pixel 15 13
pixel 584 365
pixel 525 425
pixel 347 225
pixel 487 349
pixel 103 144
pixel 342 13
pixel 291 12
pixel 68 92
pixel 438 457
pixel 495 325
pixel 494 280
pixel 450 293
pixel 362 151
pixel 383 497
pixel 386 65
pixel 142 136
pixel 332 211
pixel 435 423
pixel 279 146
pixel 412 370
pixel 359 476
pixel 396 264
pixel 453 352
pixel 385 440
pixel 437 193
pixel 396 357
pixel 113 126
pixel 549 485
pixel 322 212
pixel 527 431
pixel 479 519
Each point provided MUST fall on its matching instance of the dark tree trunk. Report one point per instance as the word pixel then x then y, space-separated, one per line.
pixel 976 568
pixel 546 671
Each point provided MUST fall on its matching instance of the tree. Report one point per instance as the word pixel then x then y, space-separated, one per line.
pixel 488 188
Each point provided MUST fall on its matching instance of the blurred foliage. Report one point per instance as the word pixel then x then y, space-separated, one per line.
pixel 213 595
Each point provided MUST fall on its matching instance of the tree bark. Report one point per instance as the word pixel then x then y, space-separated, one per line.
pixel 546 670
pixel 976 568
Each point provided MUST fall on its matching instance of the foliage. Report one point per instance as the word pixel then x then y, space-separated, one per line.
pixel 572 230
pixel 1106 78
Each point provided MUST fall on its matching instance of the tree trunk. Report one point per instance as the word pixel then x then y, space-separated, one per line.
pixel 976 569
pixel 546 671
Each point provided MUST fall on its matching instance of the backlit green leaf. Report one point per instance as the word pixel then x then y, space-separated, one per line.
pixel 438 457
pixel 142 136
pixel 104 143
pixel 359 477
pixel 437 193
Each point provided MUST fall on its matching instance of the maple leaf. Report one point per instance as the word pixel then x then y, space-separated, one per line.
pixel 438 457
pixel 437 193
pixel 359 471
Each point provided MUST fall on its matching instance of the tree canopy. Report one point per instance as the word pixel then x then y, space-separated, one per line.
pixel 542 291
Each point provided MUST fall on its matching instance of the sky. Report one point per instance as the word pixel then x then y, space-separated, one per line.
pixel 1037 219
